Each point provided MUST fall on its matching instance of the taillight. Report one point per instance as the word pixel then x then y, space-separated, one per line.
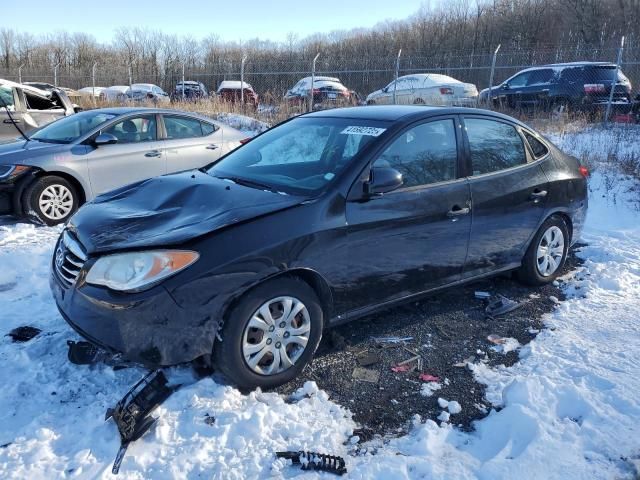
pixel 594 88
pixel 245 140
pixel 584 171
pixel 446 91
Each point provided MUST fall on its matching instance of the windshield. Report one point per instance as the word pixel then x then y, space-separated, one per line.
pixel 300 157
pixel 68 129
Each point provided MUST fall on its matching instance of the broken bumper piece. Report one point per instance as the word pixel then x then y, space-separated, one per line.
pixel 316 461
pixel 132 413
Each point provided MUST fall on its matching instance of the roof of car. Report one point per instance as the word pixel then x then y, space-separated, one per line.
pixel 233 84
pixel 392 113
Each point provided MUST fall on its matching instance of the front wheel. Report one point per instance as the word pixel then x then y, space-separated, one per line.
pixel 547 253
pixel 270 335
pixel 51 200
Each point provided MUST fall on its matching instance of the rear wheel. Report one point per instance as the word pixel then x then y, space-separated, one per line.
pixel 51 200
pixel 270 335
pixel 546 254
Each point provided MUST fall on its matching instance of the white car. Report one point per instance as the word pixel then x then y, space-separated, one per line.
pixel 92 91
pixel 115 93
pixel 152 92
pixel 426 89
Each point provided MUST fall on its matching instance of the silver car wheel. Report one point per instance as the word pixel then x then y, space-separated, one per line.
pixel 550 251
pixel 276 336
pixel 55 202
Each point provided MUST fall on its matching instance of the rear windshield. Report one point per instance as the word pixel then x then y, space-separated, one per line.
pixel 593 74
pixel 300 157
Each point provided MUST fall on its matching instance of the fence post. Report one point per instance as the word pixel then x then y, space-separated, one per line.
pixel 20 73
pixel 130 75
pixel 615 81
pixel 395 83
pixel 183 81
pixel 244 59
pixel 493 68
pixel 93 82
pixel 313 80
pixel 55 74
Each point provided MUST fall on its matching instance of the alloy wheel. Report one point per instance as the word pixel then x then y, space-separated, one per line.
pixel 55 202
pixel 550 251
pixel 276 335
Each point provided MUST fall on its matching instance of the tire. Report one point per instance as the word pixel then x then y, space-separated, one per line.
pixel 50 200
pixel 538 270
pixel 240 342
pixel 418 101
pixel 371 102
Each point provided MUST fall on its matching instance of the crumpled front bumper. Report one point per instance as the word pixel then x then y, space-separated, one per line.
pixel 147 327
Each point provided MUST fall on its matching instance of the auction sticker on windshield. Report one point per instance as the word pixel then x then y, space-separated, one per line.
pixel 371 131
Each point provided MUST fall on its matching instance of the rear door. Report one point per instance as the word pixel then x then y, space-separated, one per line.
pixel 190 143
pixel 137 155
pixel 415 238
pixel 536 93
pixel 508 194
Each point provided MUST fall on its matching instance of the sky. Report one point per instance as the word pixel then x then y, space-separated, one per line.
pixel 230 20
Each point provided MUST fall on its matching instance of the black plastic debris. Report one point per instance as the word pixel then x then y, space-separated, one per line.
pixel 132 413
pixel 82 353
pixel 209 419
pixel 499 306
pixel 23 334
pixel 316 461
pixel 368 358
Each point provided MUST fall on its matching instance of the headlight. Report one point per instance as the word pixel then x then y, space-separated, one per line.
pixel 10 172
pixel 137 271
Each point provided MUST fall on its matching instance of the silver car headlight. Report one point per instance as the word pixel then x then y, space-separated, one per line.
pixel 135 271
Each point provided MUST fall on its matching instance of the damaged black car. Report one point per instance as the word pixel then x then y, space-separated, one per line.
pixel 323 219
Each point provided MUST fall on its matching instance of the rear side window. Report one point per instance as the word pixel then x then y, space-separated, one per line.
pixel 424 155
pixel 182 127
pixel 494 146
pixel 538 148
pixel 6 94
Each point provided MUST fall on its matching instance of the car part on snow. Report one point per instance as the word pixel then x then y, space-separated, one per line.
pixel 496 339
pixel 82 353
pixel 366 375
pixel 500 306
pixel 425 377
pixel 367 358
pixel 132 413
pixel 23 334
pixel 209 419
pixel 394 340
pixel 316 461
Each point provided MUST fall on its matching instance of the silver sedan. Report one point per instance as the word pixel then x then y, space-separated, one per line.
pixel 72 160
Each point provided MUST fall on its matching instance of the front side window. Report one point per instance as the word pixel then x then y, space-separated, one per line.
pixel 519 80
pixel 182 127
pixel 301 156
pixel 70 128
pixel 424 155
pixel 494 146
pixel 134 129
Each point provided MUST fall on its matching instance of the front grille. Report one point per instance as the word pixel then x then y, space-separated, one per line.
pixel 68 259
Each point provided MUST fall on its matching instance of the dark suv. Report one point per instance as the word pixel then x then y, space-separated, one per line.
pixel 562 87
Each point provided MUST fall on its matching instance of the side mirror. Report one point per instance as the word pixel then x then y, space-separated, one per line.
pixel 105 139
pixel 383 180
pixel 77 109
pixel 385 89
pixel 505 86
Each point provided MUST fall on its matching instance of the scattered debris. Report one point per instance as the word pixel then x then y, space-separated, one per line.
pixel 465 362
pixel 500 306
pixel 132 413
pixel 507 345
pixel 368 358
pixel 482 295
pixel 398 340
pixel 82 353
pixel 400 368
pixel 496 339
pixel 554 299
pixel 23 334
pixel 366 375
pixel 425 377
pixel 316 461
pixel 209 419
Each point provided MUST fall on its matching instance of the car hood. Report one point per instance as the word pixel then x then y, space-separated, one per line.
pixel 169 210
pixel 14 152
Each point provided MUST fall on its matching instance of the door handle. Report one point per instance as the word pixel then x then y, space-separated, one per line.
pixel 537 195
pixel 153 153
pixel 15 120
pixel 456 211
pixel 212 147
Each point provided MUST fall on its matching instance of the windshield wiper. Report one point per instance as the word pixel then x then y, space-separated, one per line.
pixel 249 183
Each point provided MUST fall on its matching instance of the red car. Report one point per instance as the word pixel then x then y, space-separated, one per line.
pixel 234 90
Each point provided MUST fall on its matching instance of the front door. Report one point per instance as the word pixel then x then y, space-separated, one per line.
pixel 415 238
pixel 190 143
pixel 137 155
pixel 508 195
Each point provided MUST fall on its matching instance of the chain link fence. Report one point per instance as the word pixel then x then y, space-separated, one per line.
pixel 271 76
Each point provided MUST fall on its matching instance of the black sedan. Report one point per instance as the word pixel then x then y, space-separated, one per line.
pixel 320 220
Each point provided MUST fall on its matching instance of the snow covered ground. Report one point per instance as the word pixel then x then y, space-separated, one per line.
pixel 569 409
